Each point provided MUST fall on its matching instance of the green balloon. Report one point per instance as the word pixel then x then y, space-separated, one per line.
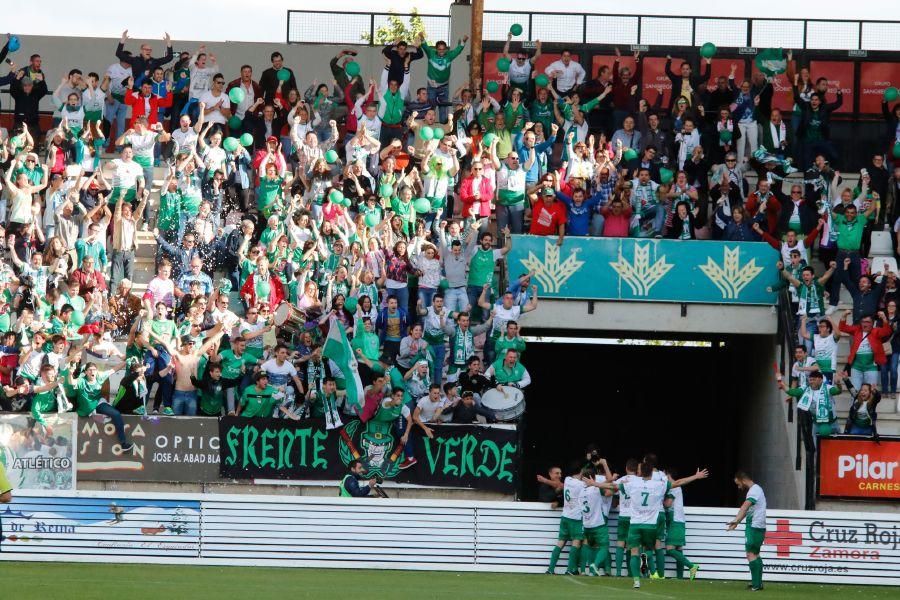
pixel 708 50
pixel 77 318
pixel 231 144
pixel 426 133
pixel 503 64
pixel 234 123
pixel 437 133
pixel 891 94
pixel 725 135
pixel 516 29
pixel 897 150
pixel 283 74
pixel 492 87
pixel 422 205
pixel 351 304
pixel 236 95
pixel 386 190
pixel 351 69
pixel 444 284
pixel 331 157
pixel 488 139
pixel 371 219
pixel 336 196
pixel 247 140
pixel 666 175
pixel 630 154
pixel 542 80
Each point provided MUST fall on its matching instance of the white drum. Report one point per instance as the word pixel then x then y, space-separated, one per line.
pixel 507 405
pixel 289 317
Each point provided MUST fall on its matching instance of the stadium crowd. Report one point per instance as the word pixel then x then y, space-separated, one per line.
pixel 367 215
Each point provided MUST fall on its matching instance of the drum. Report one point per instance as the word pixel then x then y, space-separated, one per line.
pixel 289 318
pixel 507 405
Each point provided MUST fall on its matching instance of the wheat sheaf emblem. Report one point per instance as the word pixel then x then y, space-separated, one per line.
pixel 550 272
pixel 731 278
pixel 640 275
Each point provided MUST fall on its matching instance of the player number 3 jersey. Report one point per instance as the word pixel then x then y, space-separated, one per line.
pixel 572 505
pixel 646 499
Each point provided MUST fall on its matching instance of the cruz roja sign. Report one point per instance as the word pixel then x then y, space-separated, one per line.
pixel 834 540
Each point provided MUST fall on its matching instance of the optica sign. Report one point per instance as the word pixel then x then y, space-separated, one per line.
pixel 859 468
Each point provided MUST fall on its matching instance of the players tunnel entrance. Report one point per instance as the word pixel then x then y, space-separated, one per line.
pixel 685 403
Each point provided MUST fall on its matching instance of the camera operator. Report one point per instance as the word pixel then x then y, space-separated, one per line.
pixel 350 484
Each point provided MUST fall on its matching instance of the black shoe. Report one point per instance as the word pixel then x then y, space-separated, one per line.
pixel 645 566
pixel 756 589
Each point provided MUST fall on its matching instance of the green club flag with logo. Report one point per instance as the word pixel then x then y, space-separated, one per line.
pixel 337 348
pixel 771 61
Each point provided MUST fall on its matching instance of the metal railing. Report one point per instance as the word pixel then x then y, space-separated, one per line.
pixel 335 27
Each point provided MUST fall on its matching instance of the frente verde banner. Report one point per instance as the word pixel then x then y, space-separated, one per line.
pixel 641 269
pixel 468 456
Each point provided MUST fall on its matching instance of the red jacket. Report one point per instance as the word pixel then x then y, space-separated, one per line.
pixel 467 195
pixel 276 293
pixel 875 340
pixel 773 207
pixel 138 105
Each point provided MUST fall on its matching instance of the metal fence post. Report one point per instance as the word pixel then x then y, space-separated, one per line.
pixel 371 29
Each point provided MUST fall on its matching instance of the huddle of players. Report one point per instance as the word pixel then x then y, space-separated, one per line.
pixel 651 519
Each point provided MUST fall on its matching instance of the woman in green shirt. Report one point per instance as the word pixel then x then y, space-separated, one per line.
pixel 270 192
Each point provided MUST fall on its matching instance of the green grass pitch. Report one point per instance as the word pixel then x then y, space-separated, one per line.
pixel 77 581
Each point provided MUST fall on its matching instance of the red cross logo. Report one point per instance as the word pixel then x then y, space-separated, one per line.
pixel 783 538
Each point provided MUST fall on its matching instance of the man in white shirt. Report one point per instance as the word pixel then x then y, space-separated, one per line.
pixel 217 104
pixel 116 111
pixel 567 74
pixel 754 509
pixel 185 137
pixel 429 408
pixel 249 87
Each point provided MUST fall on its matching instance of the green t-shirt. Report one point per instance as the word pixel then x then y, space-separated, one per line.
pixel 88 393
pixel 268 193
pixel 231 364
pixel 481 267
pixel 258 403
pixel 169 211
pixel 163 328
pixel 849 235
pixel 45 402
pixel 439 66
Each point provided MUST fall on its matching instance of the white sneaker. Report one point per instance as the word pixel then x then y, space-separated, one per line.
pixel 830 311
pixel 637 584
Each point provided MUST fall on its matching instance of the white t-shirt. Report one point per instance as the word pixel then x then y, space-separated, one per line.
pixel 624 498
pixel 184 139
pixel 249 98
pixel 502 316
pixel 756 516
pixel 251 328
pixel 125 174
pixel 117 74
pixel 210 101
pixel 519 74
pixel 803 376
pixel 572 506
pixel 200 80
pixel 677 505
pixel 279 375
pixel 428 409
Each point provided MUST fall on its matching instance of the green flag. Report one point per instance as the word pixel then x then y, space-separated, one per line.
pixel 771 61
pixel 337 348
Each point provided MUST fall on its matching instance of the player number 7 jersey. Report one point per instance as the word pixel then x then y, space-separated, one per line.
pixel 646 499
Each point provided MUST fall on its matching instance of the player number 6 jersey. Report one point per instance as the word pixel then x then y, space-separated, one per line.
pixel 572 505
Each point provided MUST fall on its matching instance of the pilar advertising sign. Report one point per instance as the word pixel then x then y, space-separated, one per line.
pixel 859 468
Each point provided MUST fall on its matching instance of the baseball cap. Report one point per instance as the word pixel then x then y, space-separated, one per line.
pixel 547 192
pixel 187 339
pixel 260 375
pixel 271 138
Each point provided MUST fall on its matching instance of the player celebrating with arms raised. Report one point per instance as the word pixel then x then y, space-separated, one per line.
pixel 754 508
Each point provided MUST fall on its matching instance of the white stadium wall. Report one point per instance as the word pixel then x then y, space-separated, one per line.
pixel 244 530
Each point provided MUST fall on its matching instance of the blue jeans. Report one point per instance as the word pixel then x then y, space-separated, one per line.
pixel 474 293
pixel 812 328
pixel 116 111
pixel 437 367
pixel 402 295
pixel 597 222
pixel 437 96
pixel 426 295
pixel 857 430
pixel 889 374
pixel 108 410
pixel 860 377
pixel 184 403
pixel 511 216
pixel 399 428
pixel 455 299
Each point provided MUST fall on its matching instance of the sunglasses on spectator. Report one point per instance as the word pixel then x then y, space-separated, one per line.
pixel 252 312
pixel 795 192
pixel 730 160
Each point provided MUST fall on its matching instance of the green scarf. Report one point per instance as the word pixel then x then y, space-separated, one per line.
pixel 393 108
pixel 463 346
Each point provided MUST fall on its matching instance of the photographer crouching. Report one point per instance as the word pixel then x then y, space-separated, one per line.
pixel 350 485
